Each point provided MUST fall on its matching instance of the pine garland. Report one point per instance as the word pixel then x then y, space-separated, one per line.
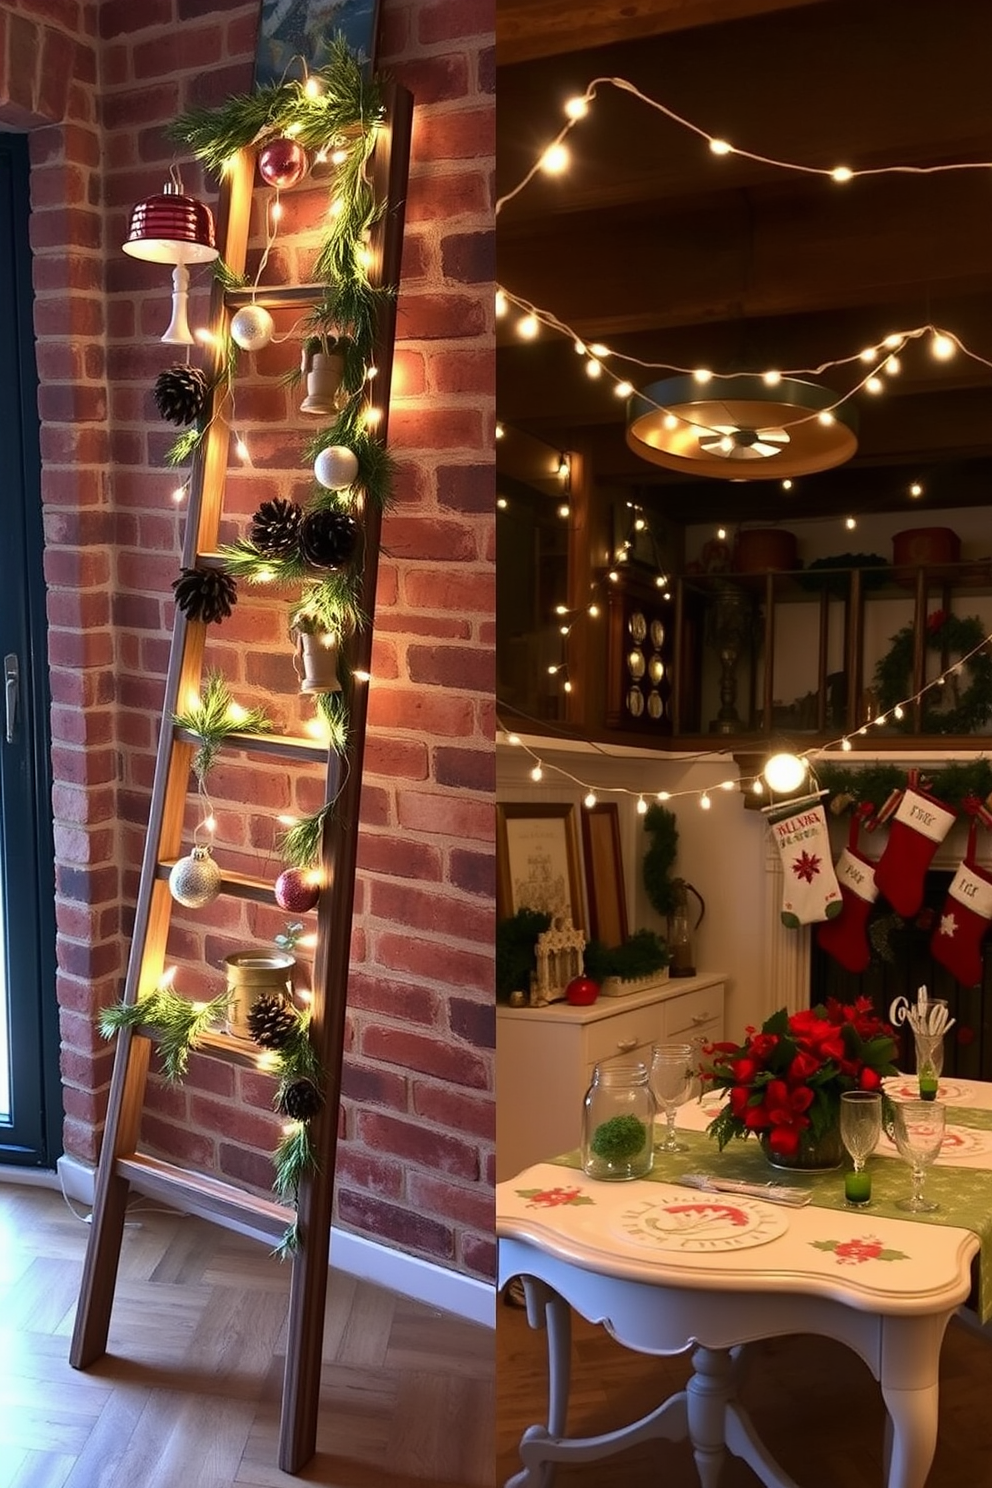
pixel 177 1023
pixel 949 634
pixel 299 845
pixel 214 718
pixel 662 827
pixel 955 783
pixel 331 709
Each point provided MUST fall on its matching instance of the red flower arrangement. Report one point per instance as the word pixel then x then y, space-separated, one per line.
pixel 785 1081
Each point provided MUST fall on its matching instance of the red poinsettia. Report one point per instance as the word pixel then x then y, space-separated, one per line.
pixel 785 1080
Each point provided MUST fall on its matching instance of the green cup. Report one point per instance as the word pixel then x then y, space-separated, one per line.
pixel 857 1187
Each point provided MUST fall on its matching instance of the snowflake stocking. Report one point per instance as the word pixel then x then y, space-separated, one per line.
pixel 957 941
pixel 810 892
pixel 918 828
pixel 845 936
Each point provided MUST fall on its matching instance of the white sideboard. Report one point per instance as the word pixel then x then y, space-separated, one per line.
pixel 545 1058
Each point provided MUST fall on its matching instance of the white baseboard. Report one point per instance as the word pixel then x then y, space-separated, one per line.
pixel 435 1286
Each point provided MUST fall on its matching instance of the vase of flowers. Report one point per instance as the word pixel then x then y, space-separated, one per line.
pixel 785 1081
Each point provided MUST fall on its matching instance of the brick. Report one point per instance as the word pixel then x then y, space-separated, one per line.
pixel 418 1144
pixel 471 769
pixel 470 591
pixel 475 872
pixel 184 48
pixel 459 134
pixel 478 1254
pixel 450 816
pixel 470 258
pixel 434 427
pixel 411 1003
pixel 464 372
pixel 238 1124
pixel 407 1229
pixel 434 539
pixel 431 1056
pixel 445 20
pixel 163 1137
pixel 466 667
pixel 473 1207
pixel 118 17
pixel 368 1171
pixel 447 192
pixel 455 1109
pixel 369 1085
pixel 429 911
pixel 399 758
pixel 473 1021
pixel 253 1169
pixel 431 317
pixel 399 857
pixel 404 708
pixel 468 488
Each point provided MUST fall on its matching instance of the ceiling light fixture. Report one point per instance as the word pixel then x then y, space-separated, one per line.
pixel 741 427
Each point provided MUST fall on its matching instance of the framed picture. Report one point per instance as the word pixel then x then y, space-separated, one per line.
pixel 291 32
pixel 604 873
pixel 537 860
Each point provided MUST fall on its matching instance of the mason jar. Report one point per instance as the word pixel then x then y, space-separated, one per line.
pixel 618 1122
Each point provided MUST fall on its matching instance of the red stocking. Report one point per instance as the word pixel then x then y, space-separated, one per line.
pixel 918 828
pixel 845 938
pixel 957 941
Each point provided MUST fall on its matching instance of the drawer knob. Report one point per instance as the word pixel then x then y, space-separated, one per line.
pixel 700 1018
pixel 625 1045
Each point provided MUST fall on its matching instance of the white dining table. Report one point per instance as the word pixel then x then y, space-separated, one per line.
pixel 666 1269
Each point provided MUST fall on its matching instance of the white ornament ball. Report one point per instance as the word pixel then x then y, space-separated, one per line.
pixel 195 881
pixel 252 327
pixel 336 467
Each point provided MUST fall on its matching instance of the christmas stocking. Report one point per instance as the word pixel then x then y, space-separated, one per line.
pixel 918 828
pixel 810 891
pixel 844 937
pixel 957 941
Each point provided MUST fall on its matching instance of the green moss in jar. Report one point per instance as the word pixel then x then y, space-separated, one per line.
pixel 619 1139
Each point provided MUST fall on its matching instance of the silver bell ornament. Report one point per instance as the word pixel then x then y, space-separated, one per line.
pixel 252 327
pixel 336 467
pixel 195 881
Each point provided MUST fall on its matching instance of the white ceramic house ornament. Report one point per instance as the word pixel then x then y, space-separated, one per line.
pixel 559 959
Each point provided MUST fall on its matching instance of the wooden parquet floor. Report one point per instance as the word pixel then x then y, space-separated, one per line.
pixel 188 1394
pixel 815 1404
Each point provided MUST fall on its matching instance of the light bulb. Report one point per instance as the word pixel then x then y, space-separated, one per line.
pixel 757 788
pixel 897 712
pixel 841 173
pixel 502 303
pixel 593 368
pixel 537 773
pixel 564 511
pixel 721 533
pixel 787 485
pixel 598 349
pixel 892 366
pixel 312 87
pixel 593 610
pixel 590 800
pixel 702 374
pixel 623 389
pixel 567 685
pixel 850 523
pixel 727 785
pixel 893 340
pixel 916 489
pixel 561 609
pixel 555 159
pixel 874 385
pixel 784 772
pixel 500 431
pixel 642 806
pixel 771 379
pixel 664 795
pixel 513 738
pixel 942 347
pixel 670 421
pixel 870 354
pixel 577 108
pixel 826 418
pixel 705 801
pixel 846 745
pixel 579 347
pixel 501 503
pixel 527 327
pixel 720 146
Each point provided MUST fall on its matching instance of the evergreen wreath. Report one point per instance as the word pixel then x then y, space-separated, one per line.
pixel 945 633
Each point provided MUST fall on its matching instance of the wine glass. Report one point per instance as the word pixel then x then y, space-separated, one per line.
pixel 671 1083
pixel 860 1129
pixel 918 1128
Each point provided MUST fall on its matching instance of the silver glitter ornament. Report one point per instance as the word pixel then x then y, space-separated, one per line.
pixel 252 327
pixel 195 881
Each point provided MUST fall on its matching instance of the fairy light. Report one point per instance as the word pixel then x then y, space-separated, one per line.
pixel 264 576
pixel 179 495
pixel 317 729
pixel 502 304
pixel 825 418
pixel 205 336
pixel 702 374
pixel 594 368
pixel 721 147
pixel 942 346
pixel 565 511
pixel 841 174
pixel 664 795
pixel 241 450
pixel 771 378
pixel 846 744
pixel 555 159
pixel 874 385
pixel 623 389
pixel 372 417
pixel 537 773
pixel 916 489
pixel 236 713
pixel 850 523
pixel 593 611
pixel 276 210
pixel 339 157
pixel 599 350
pixel 642 806
pixel 500 431
pixel 787 484
pixel 705 802
pixel 892 365
pixel 267 1062
pixel 528 327
pixel 501 503
pixel 577 108
pixel 590 800
pixel 361 676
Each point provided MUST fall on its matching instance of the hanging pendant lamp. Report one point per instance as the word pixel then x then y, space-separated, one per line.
pixel 741 428
pixel 173 228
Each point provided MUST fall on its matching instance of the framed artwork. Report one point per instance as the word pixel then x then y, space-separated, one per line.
pixel 537 860
pixel 604 873
pixel 291 30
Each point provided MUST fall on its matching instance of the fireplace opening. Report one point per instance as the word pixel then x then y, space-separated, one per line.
pixel 901 963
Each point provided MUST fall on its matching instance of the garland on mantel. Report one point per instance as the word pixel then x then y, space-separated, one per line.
pixel 954 784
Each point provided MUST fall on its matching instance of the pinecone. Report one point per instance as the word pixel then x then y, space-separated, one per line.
pixel 275 527
pixel 181 392
pixel 300 1100
pixel 328 538
pixel 272 1021
pixel 205 594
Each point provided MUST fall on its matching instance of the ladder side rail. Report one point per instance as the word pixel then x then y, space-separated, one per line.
pixel 308 1289
pixel 167 808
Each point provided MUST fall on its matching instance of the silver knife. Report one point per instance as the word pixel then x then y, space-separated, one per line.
pixel 775 1193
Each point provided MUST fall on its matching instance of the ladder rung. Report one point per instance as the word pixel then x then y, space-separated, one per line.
pixel 209 1198
pixel 235 885
pixel 218 1045
pixel 289 296
pixel 282 746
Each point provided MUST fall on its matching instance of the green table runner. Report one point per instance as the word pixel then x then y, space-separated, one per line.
pixel 964 1194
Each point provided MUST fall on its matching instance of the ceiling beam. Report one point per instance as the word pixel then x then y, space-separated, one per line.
pixel 528 29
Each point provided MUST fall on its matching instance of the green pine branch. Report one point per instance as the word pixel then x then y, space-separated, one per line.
pixel 214 717
pixel 178 1025
pixel 299 846
pixel 332 708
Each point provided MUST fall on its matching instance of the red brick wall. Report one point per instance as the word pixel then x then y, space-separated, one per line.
pixel 415 1163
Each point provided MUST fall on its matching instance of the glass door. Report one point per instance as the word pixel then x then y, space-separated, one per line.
pixel 30 1100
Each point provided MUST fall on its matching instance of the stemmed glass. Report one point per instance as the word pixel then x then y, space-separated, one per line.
pixel 860 1129
pixel 919 1132
pixel 671 1083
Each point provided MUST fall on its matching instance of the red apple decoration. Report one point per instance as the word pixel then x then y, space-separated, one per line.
pixel 296 890
pixel 581 991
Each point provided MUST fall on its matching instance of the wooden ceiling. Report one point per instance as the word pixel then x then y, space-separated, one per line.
pixel 656 247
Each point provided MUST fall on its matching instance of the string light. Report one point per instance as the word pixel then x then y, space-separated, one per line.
pixel 802 764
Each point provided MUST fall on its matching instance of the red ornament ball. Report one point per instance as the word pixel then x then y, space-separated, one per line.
pixel 282 163
pixel 581 991
pixel 296 891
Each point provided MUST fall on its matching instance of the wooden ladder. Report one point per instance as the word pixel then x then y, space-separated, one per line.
pixel 122 1167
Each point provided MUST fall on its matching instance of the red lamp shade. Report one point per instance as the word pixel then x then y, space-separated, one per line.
pixel 172 228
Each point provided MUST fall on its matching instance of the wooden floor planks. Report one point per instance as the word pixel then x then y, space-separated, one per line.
pixel 188 1395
